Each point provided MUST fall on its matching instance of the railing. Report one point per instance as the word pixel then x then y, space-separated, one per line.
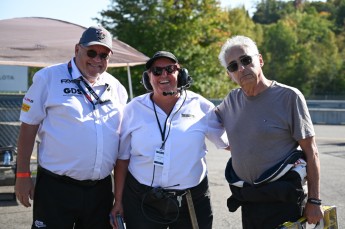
pixel 330 112
pixel 322 112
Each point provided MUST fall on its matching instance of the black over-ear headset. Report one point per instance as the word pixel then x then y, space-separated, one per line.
pixel 183 80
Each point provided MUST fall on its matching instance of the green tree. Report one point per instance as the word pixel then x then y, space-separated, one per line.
pixel 270 11
pixel 301 52
pixel 239 23
pixel 188 28
pixel 302 42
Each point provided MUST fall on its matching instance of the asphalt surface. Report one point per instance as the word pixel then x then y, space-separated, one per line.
pixel 331 145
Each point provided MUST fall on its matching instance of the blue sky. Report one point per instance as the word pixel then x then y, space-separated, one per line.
pixel 76 11
pixel 80 11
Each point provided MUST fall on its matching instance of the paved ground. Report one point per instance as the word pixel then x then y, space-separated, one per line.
pixel 331 143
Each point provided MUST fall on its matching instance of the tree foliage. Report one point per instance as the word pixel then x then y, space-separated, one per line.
pixel 300 47
pixel 302 42
pixel 270 11
pixel 191 29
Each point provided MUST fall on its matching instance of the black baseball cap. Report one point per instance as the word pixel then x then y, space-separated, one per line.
pixel 160 54
pixel 96 35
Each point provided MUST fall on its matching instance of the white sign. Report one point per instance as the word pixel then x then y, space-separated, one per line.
pixel 13 78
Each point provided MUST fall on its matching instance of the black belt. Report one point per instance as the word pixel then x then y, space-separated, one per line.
pixel 198 190
pixel 68 179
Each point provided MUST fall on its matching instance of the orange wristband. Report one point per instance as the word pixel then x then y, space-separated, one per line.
pixel 23 175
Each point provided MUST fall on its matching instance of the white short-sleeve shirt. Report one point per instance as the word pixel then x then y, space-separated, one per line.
pixel 184 164
pixel 75 139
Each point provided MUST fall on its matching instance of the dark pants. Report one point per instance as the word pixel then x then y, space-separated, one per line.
pixel 132 202
pixel 268 215
pixel 272 204
pixel 60 203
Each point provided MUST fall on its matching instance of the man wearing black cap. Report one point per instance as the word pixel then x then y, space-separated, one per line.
pixel 75 109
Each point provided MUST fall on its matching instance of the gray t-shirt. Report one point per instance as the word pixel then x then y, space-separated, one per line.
pixel 264 129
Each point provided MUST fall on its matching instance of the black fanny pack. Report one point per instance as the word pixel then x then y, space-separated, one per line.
pixel 157 204
pixel 160 206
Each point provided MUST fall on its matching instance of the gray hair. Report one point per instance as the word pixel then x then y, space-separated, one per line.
pixel 238 40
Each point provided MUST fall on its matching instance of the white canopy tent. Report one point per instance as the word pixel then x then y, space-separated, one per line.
pixel 40 42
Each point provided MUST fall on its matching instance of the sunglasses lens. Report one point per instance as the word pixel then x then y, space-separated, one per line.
pixel 104 56
pixel 232 67
pixel 91 53
pixel 157 71
pixel 246 60
pixel 170 68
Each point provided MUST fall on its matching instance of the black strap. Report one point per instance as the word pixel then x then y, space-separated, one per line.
pixel 164 139
pixel 93 93
pixel 314 201
pixel 88 87
pixel 163 131
pixel 77 82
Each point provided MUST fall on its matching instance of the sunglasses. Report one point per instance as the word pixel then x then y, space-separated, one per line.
pixel 157 71
pixel 245 60
pixel 92 54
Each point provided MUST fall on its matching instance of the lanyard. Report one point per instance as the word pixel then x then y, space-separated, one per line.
pixel 165 123
pixel 159 125
pixel 93 93
pixel 163 131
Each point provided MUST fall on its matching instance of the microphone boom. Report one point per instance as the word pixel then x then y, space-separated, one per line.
pixel 165 93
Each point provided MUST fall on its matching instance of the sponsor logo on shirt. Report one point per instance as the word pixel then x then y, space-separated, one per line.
pixel 66 81
pixel 188 116
pixel 28 100
pixel 25 107
pixel 71 91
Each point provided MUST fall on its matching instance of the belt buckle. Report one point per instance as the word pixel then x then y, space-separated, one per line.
pixel 172 193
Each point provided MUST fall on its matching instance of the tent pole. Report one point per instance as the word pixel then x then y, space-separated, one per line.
pixel 129 82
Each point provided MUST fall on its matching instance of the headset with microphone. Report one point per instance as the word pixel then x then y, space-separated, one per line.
pixel 184 80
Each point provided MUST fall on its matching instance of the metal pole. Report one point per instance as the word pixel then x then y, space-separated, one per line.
pixel 129 82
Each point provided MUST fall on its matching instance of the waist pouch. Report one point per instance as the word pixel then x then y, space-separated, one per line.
pixel 163 205
pixel 287 188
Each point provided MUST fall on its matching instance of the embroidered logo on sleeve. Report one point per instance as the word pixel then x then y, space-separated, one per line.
pixel 28 100
pixel 25 107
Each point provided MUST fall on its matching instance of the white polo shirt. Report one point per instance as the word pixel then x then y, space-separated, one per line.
pixel 184 162
pixel 76 140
